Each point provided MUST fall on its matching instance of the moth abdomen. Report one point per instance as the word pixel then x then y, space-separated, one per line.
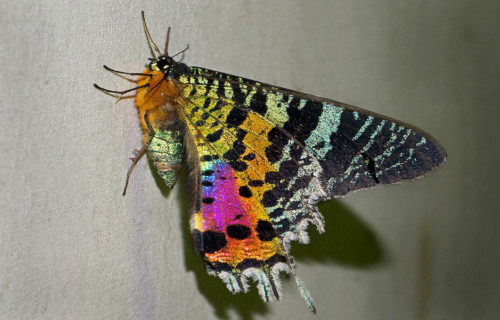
pixel 166 151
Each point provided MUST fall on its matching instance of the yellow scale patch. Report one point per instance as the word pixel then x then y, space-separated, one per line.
pixel 256 140
pixel 276 108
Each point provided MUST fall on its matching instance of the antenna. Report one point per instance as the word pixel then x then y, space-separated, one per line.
pixel 178 53
pixel 151 42
pixel 166 42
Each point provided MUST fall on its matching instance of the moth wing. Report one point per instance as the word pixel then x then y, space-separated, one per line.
pixel 248 205
pixel 356 148
pixel 267 155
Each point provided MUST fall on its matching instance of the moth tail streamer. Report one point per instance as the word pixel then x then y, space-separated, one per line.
pixel 305 293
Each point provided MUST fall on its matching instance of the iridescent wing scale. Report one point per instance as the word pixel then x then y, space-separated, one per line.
pixel 268 155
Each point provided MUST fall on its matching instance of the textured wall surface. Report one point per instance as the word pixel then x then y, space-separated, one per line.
pixel 71 247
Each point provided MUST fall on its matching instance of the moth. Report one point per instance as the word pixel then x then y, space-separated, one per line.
pixel 260 158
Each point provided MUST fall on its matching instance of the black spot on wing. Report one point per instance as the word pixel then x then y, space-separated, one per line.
pixel 255 183
pixel 238 95
pixel 370 164
pixel 249 157
pixel 236 117
pixel 208 200
pixel 238 231
pixel 241 134
pixel 207 173
pixel 273 153
pixel 215 136
pixel 206 158
pixel 278 140
pixel 269 199
pixel 239 147
pixel 238 165
pixel 265 230
pixel 258 103
pixel 209 241
pixel 301 122
pixel 273 177
pixel 245 192
pixel 277 137
pixel 231 155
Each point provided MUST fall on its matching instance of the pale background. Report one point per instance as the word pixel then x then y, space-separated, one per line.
pixel 71 247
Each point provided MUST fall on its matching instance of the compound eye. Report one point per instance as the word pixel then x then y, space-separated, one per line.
pixel 163 63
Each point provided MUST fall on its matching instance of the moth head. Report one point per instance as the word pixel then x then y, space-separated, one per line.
pixel 163 64
pixel 168 66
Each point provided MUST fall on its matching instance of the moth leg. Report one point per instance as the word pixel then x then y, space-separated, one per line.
pixel 139 153
pixel 120 92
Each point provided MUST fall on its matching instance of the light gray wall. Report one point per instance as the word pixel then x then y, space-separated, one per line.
pixel 71 247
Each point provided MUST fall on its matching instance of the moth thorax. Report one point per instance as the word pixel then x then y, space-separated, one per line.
pixel 159 92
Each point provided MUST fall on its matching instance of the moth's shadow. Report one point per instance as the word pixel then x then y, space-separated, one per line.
pixel 348 241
